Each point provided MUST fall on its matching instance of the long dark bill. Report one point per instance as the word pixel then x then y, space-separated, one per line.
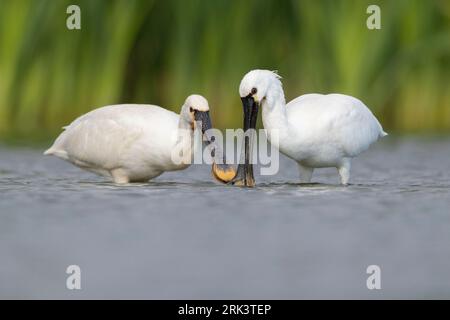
pixel 204 118
pixel 244 176
pixel 222 172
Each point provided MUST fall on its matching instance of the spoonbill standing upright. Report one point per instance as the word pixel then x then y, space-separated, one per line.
pixel 315 130
pixel 135 143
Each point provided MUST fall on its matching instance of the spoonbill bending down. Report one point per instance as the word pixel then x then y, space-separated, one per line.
pixel 315 130
pixel 135 143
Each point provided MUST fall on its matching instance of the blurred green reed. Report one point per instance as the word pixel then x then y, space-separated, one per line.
pixel 161 51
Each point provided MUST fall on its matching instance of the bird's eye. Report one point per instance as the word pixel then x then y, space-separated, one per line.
pixel 254 91
pixel 191 109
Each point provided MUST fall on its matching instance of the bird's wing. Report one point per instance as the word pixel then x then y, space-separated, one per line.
pixel 303 100
pixel 337 119
pixel 97 142
pixel 351 123
pixel 101 138
pixel 363 129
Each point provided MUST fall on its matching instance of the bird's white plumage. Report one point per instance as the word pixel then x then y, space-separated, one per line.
pixel 330 124
pixel 127 142
pixel 315 130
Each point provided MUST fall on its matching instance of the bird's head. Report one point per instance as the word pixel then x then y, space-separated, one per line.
pixel 196 109
pixel 257 87
pixel 258 84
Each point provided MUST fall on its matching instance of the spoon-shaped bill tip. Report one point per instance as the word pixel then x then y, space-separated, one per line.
pixel 244 176
pixel 223 172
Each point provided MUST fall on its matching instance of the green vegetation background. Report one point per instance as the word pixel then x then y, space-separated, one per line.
pixel 160 51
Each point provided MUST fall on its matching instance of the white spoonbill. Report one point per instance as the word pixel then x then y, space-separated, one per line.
pixel 135 143
pixel 315 130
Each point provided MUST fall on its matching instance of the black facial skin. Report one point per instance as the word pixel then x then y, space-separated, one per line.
pixel 244 176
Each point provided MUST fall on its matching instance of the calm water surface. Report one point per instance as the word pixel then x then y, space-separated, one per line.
pixel 184 236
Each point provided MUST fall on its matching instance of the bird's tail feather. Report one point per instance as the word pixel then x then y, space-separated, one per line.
pixel 58 153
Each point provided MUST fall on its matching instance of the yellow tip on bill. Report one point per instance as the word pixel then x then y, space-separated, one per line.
pixel 223 173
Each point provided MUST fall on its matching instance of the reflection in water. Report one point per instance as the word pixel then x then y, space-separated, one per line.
pixel 185 236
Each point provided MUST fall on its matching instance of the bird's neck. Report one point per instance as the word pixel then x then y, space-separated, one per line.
pixel 184 126
pixel 185 131
pixel 274 116
pixel 184 140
